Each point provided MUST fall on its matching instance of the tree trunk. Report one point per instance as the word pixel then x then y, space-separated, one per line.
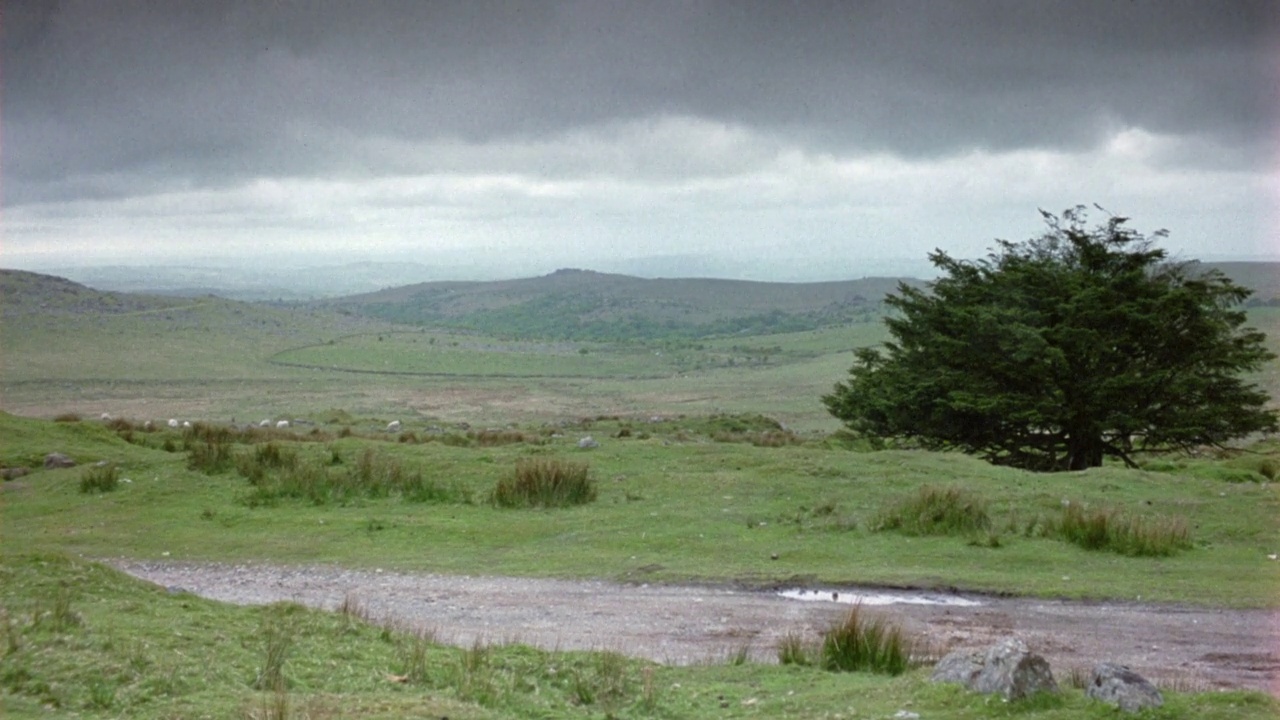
pixel 1084 450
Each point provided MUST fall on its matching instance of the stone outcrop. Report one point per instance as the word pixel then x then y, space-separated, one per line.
pixel 1118 685
pixel 1007 668
pixel 57 460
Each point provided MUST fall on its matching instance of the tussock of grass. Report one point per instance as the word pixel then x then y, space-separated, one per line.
pixel 1111 529
pixel 795 650
pixel 545 482
pixel 280 474
pixel 766 438
pixel 861 644
pixel 99 478
pixel 937 511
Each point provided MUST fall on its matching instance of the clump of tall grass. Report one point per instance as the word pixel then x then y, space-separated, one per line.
pixel 492 438
pixel 1120 532
pixel 937 511
pixel 765 438
pixel 860 644
pixel 99 478
pixel 280 474
pixel 207 457
pixel 795 650
pixel 545 482
pixel 278 632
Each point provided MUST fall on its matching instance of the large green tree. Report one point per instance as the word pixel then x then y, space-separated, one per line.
pixel 1054 353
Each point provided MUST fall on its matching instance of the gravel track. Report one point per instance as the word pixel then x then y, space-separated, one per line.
pixel 1189 647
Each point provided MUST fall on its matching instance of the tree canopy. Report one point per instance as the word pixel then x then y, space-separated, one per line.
pixel 1056 352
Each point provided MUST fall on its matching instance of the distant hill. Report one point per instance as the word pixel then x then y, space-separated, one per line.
pixel 1263 278
pixel 586 305
pixel 27 293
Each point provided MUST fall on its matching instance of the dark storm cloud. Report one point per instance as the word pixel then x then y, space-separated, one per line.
pixel 124 97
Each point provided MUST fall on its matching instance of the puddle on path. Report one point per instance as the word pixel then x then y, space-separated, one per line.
pixel 875 598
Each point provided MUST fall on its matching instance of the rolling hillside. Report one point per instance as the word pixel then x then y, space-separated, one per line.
pixel 585 305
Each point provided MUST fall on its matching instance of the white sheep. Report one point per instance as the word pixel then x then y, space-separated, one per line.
pixel 282 424
pixel 265 423
pixel 393 426
pixel 186 423
pixel 173 423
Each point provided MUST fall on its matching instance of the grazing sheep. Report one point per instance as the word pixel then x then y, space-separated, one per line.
pixel 186 423
pixel 106 417
pixel 265 423
pixel 149 426
pixel 282 424
pixel 173 423
pixel 393 426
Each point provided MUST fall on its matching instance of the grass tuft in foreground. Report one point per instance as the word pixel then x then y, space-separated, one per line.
pixel 863 644
pixel 546 482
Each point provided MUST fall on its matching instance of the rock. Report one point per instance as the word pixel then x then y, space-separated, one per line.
pixel 960 666
pixel 11 473
pixel 1118 685
pixel 58 460
pixel 588 443
pixel 1007 668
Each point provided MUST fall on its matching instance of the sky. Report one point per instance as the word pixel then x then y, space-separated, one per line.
pixel 764 139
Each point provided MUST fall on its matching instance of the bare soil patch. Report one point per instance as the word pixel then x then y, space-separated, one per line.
pixel 1186 647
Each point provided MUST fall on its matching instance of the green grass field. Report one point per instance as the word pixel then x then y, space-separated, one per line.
pixel 687 497
pixel 675 505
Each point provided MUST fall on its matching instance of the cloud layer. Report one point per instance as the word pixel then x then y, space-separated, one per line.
pixel 577 132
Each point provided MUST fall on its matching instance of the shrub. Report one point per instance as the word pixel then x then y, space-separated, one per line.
pixel 937 511
pixel 546 482
pixel 1110 529
pixel 99 478
pixel 67 418
pixel 859 644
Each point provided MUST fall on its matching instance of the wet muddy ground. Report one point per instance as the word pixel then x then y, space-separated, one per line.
pixel 1186 647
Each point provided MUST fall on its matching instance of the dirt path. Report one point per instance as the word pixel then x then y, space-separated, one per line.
pixel 1193 648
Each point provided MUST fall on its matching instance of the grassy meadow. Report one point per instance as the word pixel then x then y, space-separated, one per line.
pixel 716 463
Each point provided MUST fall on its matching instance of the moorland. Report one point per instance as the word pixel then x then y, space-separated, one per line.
pixel 713 461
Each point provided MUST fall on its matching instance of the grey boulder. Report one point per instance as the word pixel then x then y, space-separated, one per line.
pixel 1007 668
pixel 1118 685
pixel 58 460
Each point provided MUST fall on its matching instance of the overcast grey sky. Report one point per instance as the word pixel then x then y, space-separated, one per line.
pixel 765 135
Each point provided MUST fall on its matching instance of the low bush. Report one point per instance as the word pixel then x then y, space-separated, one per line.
pixel 937 511
pixel 99 478
pixel 545 482
pixel 67 418
pixel 859 644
